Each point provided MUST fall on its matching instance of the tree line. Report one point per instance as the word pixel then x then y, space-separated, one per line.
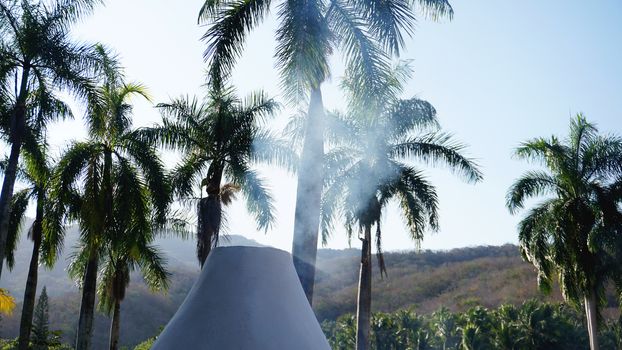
pixel 349 165
pixel 530 326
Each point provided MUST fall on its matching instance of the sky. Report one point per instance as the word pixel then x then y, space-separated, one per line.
pixel 499 73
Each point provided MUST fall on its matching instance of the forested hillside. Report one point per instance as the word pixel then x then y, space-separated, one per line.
pixel 457 279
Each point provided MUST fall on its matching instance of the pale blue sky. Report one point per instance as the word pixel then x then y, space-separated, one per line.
pixel 499 73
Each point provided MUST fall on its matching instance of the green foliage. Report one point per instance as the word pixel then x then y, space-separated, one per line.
pixel 6 344
pixel 35 171
pixel 35 46
pixel 574 232
pixel 41 322
pixel 373 149
pixel 366 32
pixel 114 185
pixel 38 59
pixel 221 137
pixel 41 337
pixel 530 326
pixel 147 344
pixel 425 280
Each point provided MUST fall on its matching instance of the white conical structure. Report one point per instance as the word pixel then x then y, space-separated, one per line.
pixel 245 298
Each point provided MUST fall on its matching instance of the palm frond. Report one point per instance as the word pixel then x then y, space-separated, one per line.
pixel 231 21
pixel 534 236
pixel 269 149
pixel 407 116
pixel 72 164
pixel 340 129
pixel 303 47
pixel 259 202
pixel 581 133
pixel 188 174
pixel 45 108
pixel 367 68
pixel 439 147
pixel 436 8
pixel 531 184
pixel 153 172
pixel 153 268
pixel 178 224
pixel 168 135
pixel 256 107
pixel 17 210
pixel 294 130
pixel 602 157
pixel 551 153
pixel 417 199
pixel 387 20
pixel 66 12
pixel 331 205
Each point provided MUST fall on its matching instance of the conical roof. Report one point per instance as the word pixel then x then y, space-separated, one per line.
pixel 245 298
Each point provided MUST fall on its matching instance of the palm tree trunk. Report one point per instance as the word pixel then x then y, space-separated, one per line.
pixel 87 306
pixel 309 195
pixel 115 325
pixel 18 121
pixel 363 310
pixel 210 215
pixel 592 319
pixel 31 282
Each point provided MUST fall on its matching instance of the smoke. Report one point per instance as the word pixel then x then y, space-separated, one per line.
pixel 370 150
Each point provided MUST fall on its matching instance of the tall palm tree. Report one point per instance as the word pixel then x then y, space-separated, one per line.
pixel 220 138
pixel 132 250
pixel 309 32
pixel 42 108
pixel 367 169
pixel 37 54
pixel 99 180
pixel 36 173
pixel 575 232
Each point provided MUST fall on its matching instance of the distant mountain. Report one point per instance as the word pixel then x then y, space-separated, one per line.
pixel 180 255
pixel 143 311
pixel 425 280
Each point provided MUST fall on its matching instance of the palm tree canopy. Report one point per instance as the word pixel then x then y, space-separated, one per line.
pixel 133 251
pixel 574 231
pixel 222 134
pixel 309 31
pixel 35 172
pixel 35 41
pixel 369 163
pixel 113 178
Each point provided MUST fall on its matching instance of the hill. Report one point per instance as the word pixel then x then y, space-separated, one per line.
pixel 143 311
pixel 457 279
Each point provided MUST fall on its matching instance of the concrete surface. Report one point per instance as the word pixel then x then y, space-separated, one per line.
pixel 245 298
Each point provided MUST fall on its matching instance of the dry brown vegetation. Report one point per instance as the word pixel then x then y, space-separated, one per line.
pixel 457 279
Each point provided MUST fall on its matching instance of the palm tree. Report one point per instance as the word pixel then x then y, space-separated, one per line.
pixel 444 323
pixel 37 55
pixel 477 329
pixel 309 32
pixel 103 179
pixel 576 231
pixel 36 173
pixel 131 250
pixel 220 138
pixel 367 169
pixel 42 108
